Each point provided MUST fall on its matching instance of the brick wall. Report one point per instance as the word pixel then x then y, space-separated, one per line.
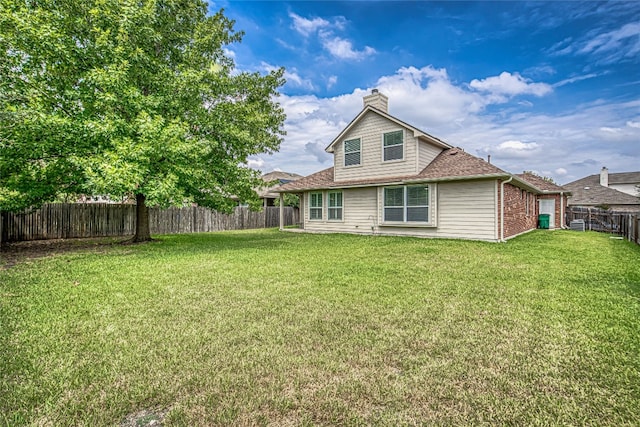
pixel 558 216
pixel 518 217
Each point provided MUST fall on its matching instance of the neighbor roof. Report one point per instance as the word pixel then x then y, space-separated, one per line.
pixel 588 192
pixel 541 183
pixel 623 178
pixel 281 178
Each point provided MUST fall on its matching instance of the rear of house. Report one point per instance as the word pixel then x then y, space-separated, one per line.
pixel 391 178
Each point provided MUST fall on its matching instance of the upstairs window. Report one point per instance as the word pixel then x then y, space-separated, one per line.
pixel 315 206
pixel 352 152
pixel 406 204
pixel 392 146
pixel 334 206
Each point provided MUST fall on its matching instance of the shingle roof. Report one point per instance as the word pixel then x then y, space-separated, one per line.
pixel 455 162
pixel 450 164
pixel 541 183
pixel 588 192
pixel 624 178
pixel 282 177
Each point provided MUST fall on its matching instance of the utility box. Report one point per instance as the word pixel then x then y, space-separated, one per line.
pixel 543 221
pixel 577 225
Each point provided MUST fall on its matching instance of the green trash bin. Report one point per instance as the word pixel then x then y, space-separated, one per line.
pixel 543 221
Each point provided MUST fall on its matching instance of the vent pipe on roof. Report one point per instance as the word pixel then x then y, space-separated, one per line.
pixel 489 158
pixel 377 100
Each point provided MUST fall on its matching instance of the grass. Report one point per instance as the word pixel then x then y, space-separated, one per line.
pixel 272 328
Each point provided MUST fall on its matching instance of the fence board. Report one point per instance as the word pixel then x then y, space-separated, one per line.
pixel 74 220
pixel 624 224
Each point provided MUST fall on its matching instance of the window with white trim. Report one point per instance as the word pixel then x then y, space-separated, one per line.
pixel 392 146
pixel 334 205
pixel 352 152
pixel 408 203
pixel 315 206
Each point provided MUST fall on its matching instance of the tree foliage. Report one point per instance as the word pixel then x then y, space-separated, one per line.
pixel 546 178
pixel 120 97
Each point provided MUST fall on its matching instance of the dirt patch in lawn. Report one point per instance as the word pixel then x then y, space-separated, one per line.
pixel 145 418
pixel 18 252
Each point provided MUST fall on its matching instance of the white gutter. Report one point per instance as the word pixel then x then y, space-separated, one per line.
pixel 502 207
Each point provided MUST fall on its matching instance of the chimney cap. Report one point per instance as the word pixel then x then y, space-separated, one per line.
pixel 374 91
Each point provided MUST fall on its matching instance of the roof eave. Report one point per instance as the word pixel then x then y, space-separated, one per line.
pixel 397 182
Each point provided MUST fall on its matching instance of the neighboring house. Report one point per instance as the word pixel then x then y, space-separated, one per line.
pixel 391 178
pixel 615 191
pixel 274 180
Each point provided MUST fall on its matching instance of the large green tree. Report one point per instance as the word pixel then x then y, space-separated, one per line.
pixel 123 97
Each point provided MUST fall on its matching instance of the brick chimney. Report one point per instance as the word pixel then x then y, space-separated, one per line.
pixel 604 177
pixel 377 100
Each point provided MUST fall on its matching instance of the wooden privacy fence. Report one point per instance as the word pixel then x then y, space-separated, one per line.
pixel 74 220
pixel 625 224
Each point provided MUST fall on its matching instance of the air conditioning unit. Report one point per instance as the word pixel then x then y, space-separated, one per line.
pixel 577 225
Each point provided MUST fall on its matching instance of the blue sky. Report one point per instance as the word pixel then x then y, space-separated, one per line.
pixel 548 87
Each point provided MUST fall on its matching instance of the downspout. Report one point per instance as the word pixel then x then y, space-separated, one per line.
pixel 562 219
pixel 502 207
pixel 281 211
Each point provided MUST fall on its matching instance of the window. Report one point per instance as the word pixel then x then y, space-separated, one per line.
pixel 334 206
pixel 315 206
pixel 394 204
pixel 417 203
pixel 352 152
pixel 392 146
pixel 406 204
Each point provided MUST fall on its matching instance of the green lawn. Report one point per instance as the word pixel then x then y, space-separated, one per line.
pixel 272 328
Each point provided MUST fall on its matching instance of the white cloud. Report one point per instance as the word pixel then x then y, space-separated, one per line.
pixel 425 96
pixel 625 39
pixel 256 163
pixel 343 49
pixel 610 130
pixel 294 79
pixel 507 84
pixel 291 76
pixel 510 149
pixel 339 47
pixel 331 81
pixel 307 26
pixel 633 124
pixel 575 79
pixel 561 171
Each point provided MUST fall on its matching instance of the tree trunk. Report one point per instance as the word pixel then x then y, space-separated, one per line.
pixel 143 234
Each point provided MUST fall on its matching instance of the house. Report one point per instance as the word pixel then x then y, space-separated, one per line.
pixel 390 178
pixel 273 180
pixel 615 191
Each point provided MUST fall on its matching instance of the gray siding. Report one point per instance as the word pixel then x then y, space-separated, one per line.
pixel 468 210
pixel 370 130
pixel 359 213
pixel 463 210
pixel 426 154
